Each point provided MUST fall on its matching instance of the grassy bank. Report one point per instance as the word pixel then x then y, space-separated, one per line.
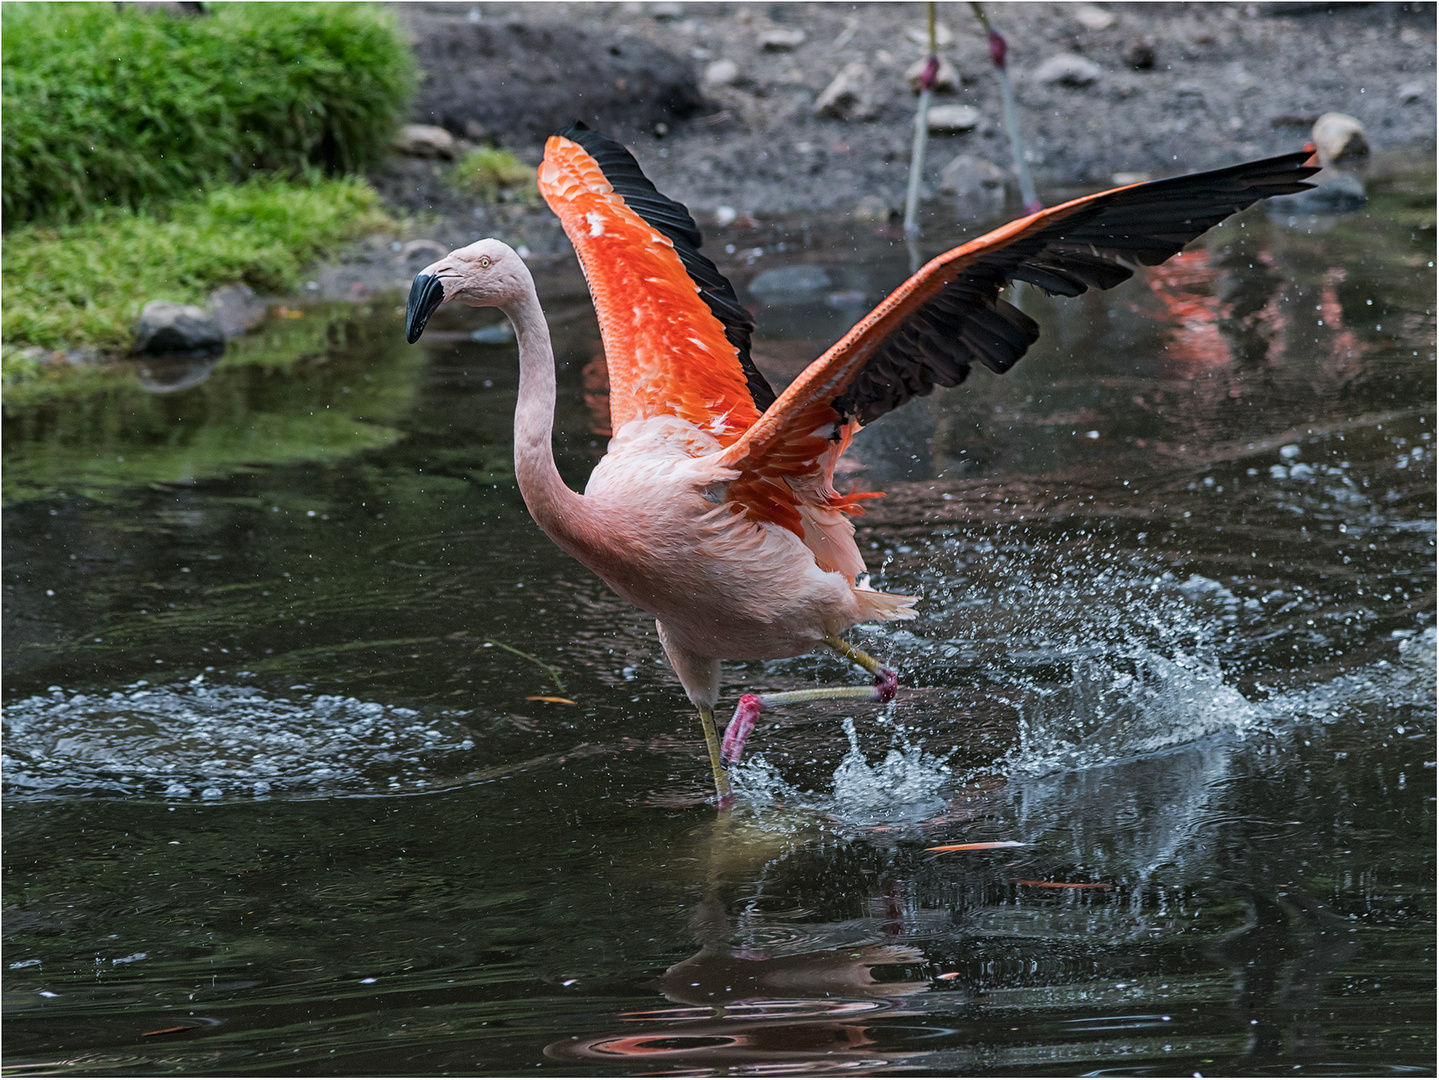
pixel 119 107
pixel 151 155
pixel 84 284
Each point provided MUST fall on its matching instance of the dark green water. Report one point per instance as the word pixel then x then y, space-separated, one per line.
pixel 278 774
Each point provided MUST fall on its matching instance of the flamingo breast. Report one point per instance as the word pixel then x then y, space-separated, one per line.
pixel 664 536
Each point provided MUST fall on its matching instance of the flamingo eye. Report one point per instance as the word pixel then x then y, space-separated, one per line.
pixel 484 261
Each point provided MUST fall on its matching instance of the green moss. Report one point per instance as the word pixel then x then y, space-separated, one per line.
pixel 119 106
pixel 494 175
pixel 85 284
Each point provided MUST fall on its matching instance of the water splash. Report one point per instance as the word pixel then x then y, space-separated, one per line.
pixel 1401 689
pixel 199 741
pixel 1125 705
pixel 904 787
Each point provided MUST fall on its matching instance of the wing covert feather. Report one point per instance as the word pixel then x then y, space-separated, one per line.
pixel 667 350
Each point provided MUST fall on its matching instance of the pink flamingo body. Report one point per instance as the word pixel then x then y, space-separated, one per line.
pixel 714 508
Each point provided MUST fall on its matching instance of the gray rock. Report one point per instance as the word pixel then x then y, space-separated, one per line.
pixel 1339 137
pixel 500 333
pixel 168 327
pixel 1336 193
pixel 850 95
pixel 1067 69
pixel 1093 17
pixel 943 35
pixel 953 119
pixel 947 78
pixel 1411 92
pixel 977 184
pixel 517 83
pixel 237 309
pixel 1139 56
pixel 874 208
pixel 722 73
pixel 425 141
pixel 781 39
pixel 170 375
pixel 789 284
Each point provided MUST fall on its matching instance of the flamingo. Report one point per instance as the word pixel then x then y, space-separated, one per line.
pixel 714 508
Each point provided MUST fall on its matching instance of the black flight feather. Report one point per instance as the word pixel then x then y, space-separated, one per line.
pixel 967 322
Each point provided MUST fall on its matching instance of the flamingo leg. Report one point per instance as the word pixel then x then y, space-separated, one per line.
pixel 712 743
pixel 886 685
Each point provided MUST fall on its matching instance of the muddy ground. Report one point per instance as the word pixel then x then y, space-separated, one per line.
pixel 1228 82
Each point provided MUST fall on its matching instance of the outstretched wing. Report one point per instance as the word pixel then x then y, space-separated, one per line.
pixel 932 329
pixel 676 337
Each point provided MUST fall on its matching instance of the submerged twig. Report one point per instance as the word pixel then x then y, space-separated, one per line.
pixel 554 672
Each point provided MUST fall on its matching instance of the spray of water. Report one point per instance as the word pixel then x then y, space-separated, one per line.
pixel 904 786
pixel 194 740
pixel 1121 706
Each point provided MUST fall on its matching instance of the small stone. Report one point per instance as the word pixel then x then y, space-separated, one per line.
pixel 780 39
pixel 425 141
pixel 789 283
pixel 500 333
pixel 725 215
pixel 237 309
pixel 943 35
pixel 978 184
pixel 1338 137
pixel 1335 193
pixel 1093 17
pixel 1067 69
pixel 721 73
pixel 171 374
pixel 168 327
pixel 666 11
pixel 1124 179
pixel 1411 92
pixel 946 78
pixel 1139 56
pixel 953 119
pixel 874 208
pixel 850 95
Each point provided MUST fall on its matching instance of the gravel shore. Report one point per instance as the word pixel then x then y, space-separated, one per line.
pixel 1225 82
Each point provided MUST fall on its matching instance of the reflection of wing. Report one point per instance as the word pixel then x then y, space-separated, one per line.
pixel 676 338
pixel 935 326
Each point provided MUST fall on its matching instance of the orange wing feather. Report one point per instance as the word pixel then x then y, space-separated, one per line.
pixel 667 353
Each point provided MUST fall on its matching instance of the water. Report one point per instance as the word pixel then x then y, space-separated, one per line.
pixel 320 758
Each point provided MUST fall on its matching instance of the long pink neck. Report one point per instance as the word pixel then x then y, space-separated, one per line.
pixel 557 509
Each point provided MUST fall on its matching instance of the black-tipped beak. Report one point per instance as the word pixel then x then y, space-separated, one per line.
pixel 426 294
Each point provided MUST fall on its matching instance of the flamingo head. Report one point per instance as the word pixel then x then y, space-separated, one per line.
pixel 488 273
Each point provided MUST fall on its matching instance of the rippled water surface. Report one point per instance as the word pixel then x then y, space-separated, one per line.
pixel 319 757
